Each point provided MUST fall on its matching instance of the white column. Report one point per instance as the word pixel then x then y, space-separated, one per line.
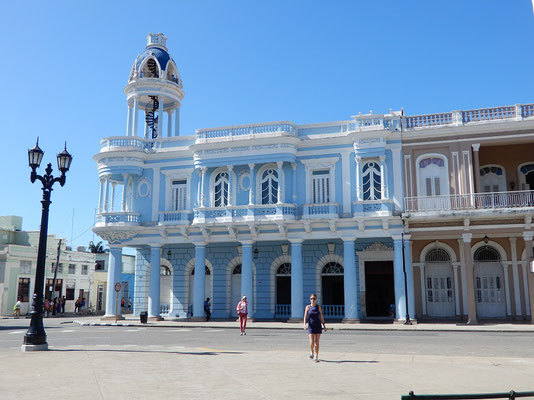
pixel 230 186
pixel 383 172
pixel 106 195
pixel 515 274
pixel 456 289
pixel 525 288
pixel 507 289
pixel 160 116
pixel 423 287
pixel 177 122
pixel 252 189
pixel 202 176
pixel 359 192
pixel 397 178
pixel 294 183
pixel 169 123
pixel 129 121
pixel 124 189
pixel 280 182
pixel 464 277
pixel 476 172
pixel 100 195
pixel 113 184
pixel 135 116
pixel 527 237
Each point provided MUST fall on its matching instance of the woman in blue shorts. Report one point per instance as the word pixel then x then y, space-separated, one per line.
pixel 313 319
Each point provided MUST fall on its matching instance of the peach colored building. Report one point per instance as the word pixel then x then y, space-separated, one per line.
pixel 469 201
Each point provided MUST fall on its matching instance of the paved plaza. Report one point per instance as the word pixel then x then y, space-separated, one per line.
pixel 271 362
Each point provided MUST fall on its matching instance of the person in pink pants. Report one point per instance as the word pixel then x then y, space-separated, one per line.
pixel 242 311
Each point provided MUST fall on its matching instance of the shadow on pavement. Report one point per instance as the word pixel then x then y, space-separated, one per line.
pixel 23 327
pixel 202 353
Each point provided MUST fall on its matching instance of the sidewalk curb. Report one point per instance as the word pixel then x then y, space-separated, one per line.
pixel 297 327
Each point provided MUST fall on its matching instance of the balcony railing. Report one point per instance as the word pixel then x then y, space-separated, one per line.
pixel 282 310
pixel 475 201
pixel 246 213
pixel 123 218
pixel 281 128
pixel 323 210
pixel 175 217
pixel 130 142
pixel 333 310
pixel 466 117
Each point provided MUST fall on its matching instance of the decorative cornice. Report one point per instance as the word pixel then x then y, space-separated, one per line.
pixel 377 247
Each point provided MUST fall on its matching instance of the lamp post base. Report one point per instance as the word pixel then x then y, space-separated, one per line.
pixel 34 347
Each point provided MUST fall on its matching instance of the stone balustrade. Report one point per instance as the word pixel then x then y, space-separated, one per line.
pixel 279 128
pixel 467 202
pixel 117 218
pixel 333 311
pixel 175 217
pixel 466 117
pixel 324 210
pixel 282 310
pixel 127 142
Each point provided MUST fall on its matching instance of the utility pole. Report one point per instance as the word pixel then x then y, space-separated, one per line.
pixel 55 275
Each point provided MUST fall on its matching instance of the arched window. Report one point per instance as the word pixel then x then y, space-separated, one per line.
pixel 332 268
pixel 269 186
pixel 526 176
pixel 221 190
pixel 237 270
pixel 333 293
pixel 371 180
pixel 492 179
pixel 433 180
pixel 487 254
pixel 206 271
pixel 283 289
pixel 284 269
pixel 437 255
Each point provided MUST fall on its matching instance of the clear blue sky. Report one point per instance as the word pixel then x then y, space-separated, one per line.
pixel 65 64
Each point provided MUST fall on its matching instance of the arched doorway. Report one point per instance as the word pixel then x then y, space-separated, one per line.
pixel 333 290
pixel 439 284
pixel 489 283
pixel 236 289
pixel 165 289
pixel 283 290
pixel 207 287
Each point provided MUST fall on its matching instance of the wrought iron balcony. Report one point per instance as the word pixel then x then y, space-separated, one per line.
pixel 470 202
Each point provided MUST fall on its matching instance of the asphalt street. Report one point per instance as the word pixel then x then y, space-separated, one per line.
pixel 489 344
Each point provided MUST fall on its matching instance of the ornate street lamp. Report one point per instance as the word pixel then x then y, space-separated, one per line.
pixel 35 338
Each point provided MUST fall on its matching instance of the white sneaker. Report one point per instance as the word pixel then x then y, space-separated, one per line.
pixel 241 334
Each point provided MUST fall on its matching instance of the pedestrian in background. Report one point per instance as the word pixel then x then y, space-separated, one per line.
pixel 46 306
pixel 207 310
pixel 16 309
pixel 63 300
pixel 313 319
pixel 242 311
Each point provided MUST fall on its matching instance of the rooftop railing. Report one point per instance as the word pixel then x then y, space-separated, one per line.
pixel 281 127
pixel 466 117
pixel 474 201
pixel 127 142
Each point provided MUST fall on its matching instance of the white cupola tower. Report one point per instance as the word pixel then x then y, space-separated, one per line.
pixel 154 87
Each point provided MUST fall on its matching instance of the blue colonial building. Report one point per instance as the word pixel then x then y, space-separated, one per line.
pixel 273 210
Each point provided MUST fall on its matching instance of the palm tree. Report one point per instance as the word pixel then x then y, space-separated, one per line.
pixel 97 248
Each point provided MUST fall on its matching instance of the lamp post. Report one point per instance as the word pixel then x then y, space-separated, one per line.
pixel 35 338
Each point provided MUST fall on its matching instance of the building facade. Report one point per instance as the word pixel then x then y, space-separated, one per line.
pixel 277 210
pixel 18 255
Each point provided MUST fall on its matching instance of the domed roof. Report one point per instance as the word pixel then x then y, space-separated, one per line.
pixel 159 54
